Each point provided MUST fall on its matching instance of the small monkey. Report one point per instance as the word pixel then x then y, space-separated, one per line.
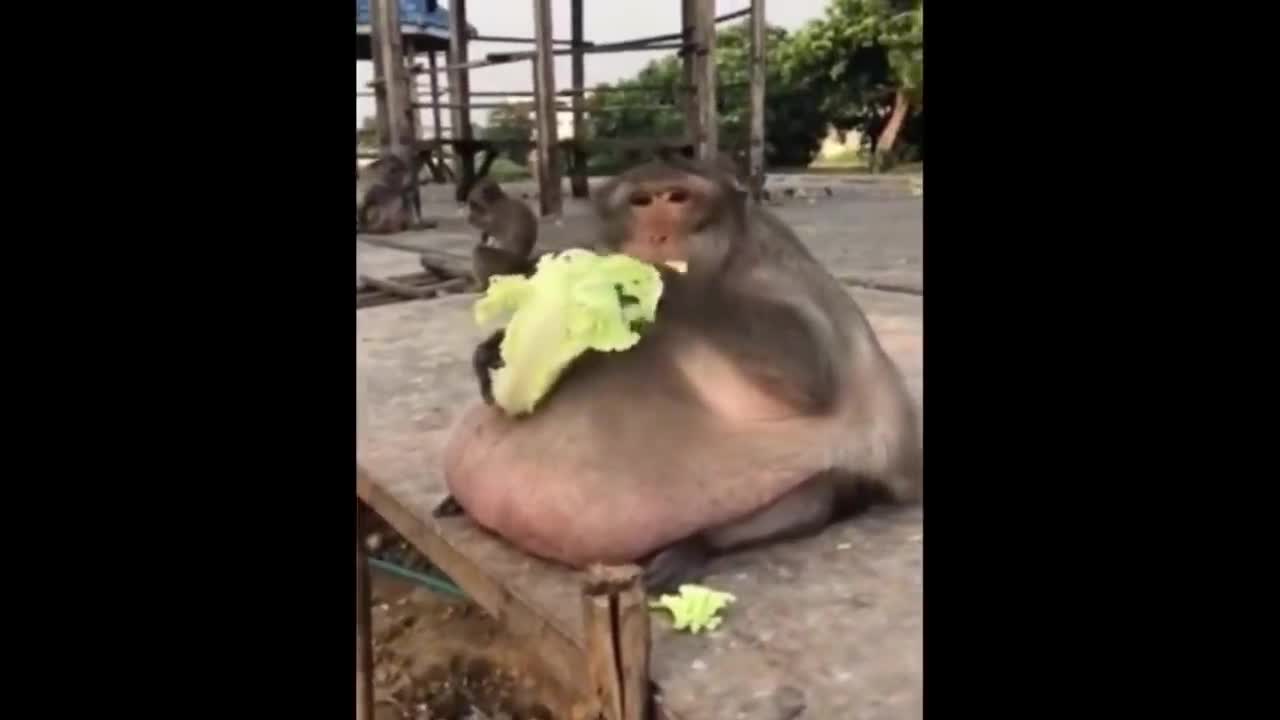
pixel 758 407
pixel 385 197
pixel 508 232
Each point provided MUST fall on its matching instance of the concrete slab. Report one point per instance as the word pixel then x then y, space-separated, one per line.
pixel 832 622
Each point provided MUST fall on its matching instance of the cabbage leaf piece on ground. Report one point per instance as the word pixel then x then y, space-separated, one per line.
pixel 575 301
pixel 696 608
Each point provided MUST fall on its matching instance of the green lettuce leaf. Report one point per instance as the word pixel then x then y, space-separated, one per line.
pixel 696 608
pixel 575 301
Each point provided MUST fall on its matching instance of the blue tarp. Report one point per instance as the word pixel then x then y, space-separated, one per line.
pixel 412 12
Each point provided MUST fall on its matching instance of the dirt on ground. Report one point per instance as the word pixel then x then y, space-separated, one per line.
pixel 439 657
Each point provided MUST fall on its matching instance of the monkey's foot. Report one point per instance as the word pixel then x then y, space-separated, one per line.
pixel 448 508
pixel 680 563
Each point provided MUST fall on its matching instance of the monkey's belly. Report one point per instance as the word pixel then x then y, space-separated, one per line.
pixel 600 487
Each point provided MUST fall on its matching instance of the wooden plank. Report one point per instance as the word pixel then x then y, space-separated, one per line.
pixel 442 262
pixel 409 291
pixel 480 106
pixel 517 40
pixel 464 169
pixel 578 182
pixel 633 648
pixel 544 88
pixel 603 683
pixel 490 573
pixel 756 157
pixel 364 637
pixel 445 263
pixel 705 79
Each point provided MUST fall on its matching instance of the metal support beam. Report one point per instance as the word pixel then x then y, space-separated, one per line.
pixel 544 88
pixel 756 160
pixel 578 181
pixel 464 163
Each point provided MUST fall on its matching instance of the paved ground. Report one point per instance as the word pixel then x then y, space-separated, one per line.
pixel 833 623
pixel 868 230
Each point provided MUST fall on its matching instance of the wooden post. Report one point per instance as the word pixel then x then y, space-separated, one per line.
pixel 578 182
pixel 604 685
pixel 364 637
pixel 544 89
pixel 688 99
pixel 757 98
pixel 616 638
pixel 411 87
pixel 705 79
pixel 464 160
pixel 377 35
pixel 437 170
pixel 435 94
pixel 415 132
pixel 633 649
pixel 388 64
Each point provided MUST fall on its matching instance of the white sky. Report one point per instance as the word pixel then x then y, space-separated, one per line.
pixel 604 21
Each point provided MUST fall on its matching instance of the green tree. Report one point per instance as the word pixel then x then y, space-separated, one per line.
pixel 511 124
pixel 863 62
pixel 793 124
pixel 859 66
pixel 645 106
pixel 793 130
pixel 367 135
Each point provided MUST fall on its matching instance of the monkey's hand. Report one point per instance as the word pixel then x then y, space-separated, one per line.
pixel 487 358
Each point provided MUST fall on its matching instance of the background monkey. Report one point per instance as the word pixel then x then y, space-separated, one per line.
pixel 385 197
pixel 760 405
pixel 508 232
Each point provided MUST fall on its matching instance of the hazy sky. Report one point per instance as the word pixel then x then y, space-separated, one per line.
pixel 604 21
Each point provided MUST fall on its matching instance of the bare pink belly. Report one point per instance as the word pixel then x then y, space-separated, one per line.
pixel 569 493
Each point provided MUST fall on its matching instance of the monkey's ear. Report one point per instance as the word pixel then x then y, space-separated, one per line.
pixel 608 197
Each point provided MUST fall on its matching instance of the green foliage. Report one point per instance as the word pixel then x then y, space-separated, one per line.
pixel 842 69
pixel 793 130
pixel 512 123
pixel 855 58
pixel 505 171
pixel 367 135
pixel 793 124
pixel 627 110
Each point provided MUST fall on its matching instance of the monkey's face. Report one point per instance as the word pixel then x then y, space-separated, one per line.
pixel 478 214
pixel 661 215
pixel 481 201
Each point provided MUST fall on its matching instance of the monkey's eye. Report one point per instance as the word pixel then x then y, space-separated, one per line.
pixel 677 196
pixel 640 199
